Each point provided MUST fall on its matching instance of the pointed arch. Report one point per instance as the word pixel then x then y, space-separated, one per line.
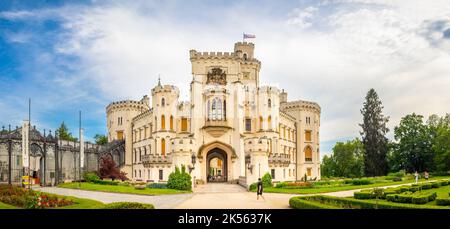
pixel 171 122
pixel 163 122
pixel 163 146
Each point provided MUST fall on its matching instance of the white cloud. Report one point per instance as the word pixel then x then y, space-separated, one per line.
pixel 302 18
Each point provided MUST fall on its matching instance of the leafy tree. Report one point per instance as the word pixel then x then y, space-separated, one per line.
pixel 267 180
pixel 373 136
pixel 101 139
pixel 64 134
pixel 440 128
pixel 413 151
pixel 347 160
pixel 108 169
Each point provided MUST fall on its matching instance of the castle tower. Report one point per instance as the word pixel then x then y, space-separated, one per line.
pixel 246 49
pixel 119 117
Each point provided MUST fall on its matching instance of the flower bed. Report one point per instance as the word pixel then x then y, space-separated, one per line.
pixel 24 198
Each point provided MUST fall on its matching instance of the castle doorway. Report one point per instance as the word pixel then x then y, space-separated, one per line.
pixel 216 165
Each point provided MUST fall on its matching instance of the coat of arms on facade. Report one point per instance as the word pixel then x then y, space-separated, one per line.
pixel 216 76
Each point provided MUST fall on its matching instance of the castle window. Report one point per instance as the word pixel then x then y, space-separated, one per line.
pixel 261 120
pixel 248 124
pixel 224 109
pixel 161 177
pixel 119 135
pixel 183 124
pixel 245 56
pixel 308 135
pixel 216 110
pixel 308 154
pixel 269 103
pixel 163 122
pixel 171 122
pixel 269 122
pixel 163 146
pixel 308 172
pixel 272 173
pixel 140 174
pixel 163 102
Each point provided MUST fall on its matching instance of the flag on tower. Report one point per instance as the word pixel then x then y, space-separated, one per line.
pixel 246 36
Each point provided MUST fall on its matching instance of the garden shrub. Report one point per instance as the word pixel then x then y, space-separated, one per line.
pixel 444 183
pixel 299 203
pixel 253 186
pixel 180 180
pixel 128 205
pixel 157 185
pixel 105 182
pixel 443 201
pixel 363 195
pixel 396 179
pixel 362 181
pixel 90 176
pixel 24 198
pixel 435 184
pixel 415 188
pixel 426 186
pixel 420 199
pixel 267 180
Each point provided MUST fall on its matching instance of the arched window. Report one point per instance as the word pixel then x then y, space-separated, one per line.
pixel 163 147
pixel 213 109
pixel 269 103
pixel 171 122
pixel 269 122
pixel 163 122
pixel 216 109
pixel 209 110
pixel 163 102
pixel 245 56
pixel 261 122
pixel 219 109
pixel 308 153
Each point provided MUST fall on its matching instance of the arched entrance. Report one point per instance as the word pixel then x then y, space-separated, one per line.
pixel 216 165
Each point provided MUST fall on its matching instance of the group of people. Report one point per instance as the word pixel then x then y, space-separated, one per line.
pixel 425 174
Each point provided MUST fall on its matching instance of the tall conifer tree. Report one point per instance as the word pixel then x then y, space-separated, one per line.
pixel 374 136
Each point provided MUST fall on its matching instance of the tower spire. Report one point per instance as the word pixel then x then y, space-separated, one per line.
pixel 159 79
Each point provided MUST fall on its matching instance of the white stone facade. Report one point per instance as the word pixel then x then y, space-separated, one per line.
pixel 250 129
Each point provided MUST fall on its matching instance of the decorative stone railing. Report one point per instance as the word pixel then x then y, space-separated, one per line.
pixel 151 159
pixel 280 159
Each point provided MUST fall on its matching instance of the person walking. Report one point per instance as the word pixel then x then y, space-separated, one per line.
pixel 426 175
pixel 259 191
pixel 416 175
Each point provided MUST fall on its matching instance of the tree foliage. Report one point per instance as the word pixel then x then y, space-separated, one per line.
pixel 64 134
pixel 108 169
pixel 373 135
pixel 347 160
pixel 413 151
pixel 180 180
pixel 100 139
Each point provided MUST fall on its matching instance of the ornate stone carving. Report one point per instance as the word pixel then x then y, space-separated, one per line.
pixel 216 76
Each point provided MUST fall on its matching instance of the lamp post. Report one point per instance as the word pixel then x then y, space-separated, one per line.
pixel 193 160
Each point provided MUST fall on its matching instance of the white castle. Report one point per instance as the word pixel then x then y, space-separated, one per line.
pixel 231 130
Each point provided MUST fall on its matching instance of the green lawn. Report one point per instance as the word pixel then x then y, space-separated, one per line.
pixel 341 188
pixel 121 189
pixel 7 206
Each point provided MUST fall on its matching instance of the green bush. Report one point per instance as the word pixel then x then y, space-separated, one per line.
pixel 267 180
pixel 404 188
pixel 444 183
pixel 435 184
pixel 362 181
pixel 443 201
pixel 415 188
pixel 363 195
pixel 157 185
pixel 426 186
pixel 396 179
pixel 404 197
pixel 180 180
pixel 420 199
pixel 90 176
pixel 128 205
pixel 105 182
pixel 299 203
pixel 253 186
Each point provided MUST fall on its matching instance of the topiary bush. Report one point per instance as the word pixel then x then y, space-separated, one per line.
pixel 299 203
pixel 267 180
pixel 435 184
pixel 128 205
pixel 362 181
pixel 426 186
pixel 105 182
pixel 180 180
pixel 363 195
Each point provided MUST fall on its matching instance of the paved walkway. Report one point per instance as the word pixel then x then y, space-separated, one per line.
pixel 160 202
pixel 208 196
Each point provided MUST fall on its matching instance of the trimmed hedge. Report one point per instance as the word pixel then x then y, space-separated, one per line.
pixel 299 203
pixel 414 198
pixel 436 184
pixel 363 195
pixel 157 185
pixel 350 203
pixel 362 181
pixel 128 205
pixel 426 186
pixel 105 182
pixel 443 201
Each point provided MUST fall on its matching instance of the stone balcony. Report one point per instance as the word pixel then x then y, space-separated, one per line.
pixel 216 128
pixel 152 159
pixel 279 159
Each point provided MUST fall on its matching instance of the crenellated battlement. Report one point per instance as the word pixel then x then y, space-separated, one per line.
pixel 213 55
pixel 301 104
pixel 130 104
pixel 165 89
pixel 269 89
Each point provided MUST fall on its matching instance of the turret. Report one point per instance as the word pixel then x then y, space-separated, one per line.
pixel 245 48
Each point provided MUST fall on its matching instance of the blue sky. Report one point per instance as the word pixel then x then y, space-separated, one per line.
pixel 81 55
